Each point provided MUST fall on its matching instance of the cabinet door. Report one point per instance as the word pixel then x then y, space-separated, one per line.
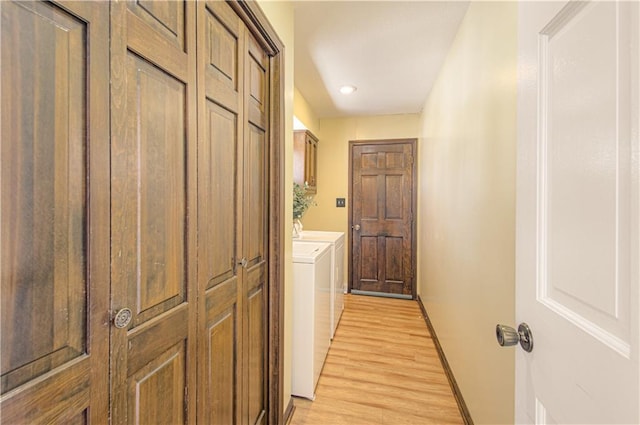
pixel 54 237
pixel 312 163
pixel 305 154
pixel 153 183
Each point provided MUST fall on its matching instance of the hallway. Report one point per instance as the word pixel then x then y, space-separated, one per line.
pixel 382 368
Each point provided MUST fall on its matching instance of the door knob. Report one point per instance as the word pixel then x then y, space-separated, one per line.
pixel 356 227
pixel 122 318
pixel 243 263
pixel 508 336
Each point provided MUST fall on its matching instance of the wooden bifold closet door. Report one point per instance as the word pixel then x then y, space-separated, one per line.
pixel 189 214
pixel 153 192
pixel 232 219
pixel 140 209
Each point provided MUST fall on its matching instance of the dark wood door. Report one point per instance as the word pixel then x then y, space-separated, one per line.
pixel 107 169
pixel 232 219
pixel 153 191
pixel 255 232
pixel 381 217
pixel 220 40
pixel 55 212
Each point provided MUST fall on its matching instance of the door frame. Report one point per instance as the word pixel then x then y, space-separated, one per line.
pixel 414 204
pixel 256 21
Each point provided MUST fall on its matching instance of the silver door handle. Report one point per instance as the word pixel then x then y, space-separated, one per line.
pixel 508 336
pixel 356 227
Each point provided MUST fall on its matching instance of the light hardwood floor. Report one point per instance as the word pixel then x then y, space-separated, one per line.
pixel 382 368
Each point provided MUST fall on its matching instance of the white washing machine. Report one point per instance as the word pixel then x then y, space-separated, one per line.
pixel 311 315
pixel 336 239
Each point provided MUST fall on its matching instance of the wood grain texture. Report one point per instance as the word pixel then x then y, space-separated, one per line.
pixel 255 233
pixel 305 159
pixel 43 191
pixel 54 238
pixel 232 217
pixel 260 28
pixel 221 42
pixel 382 368
pixel 153 191
pixel 152 151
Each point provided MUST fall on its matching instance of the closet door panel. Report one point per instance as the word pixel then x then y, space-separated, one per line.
pixel 220 375
pixel 156 190
pixel 218 203
pixel 54 237
pixel 255 195
pixel 232 217
pixel 220 269
pixel 150 224
pixel 255 345
pixel 153 185
pixel 166 18
pixel 256 274
pixel 43 186
pixel 165 371
pixel 257 83
pixel 223 46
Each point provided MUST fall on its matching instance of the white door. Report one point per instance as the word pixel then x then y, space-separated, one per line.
pixel 577 212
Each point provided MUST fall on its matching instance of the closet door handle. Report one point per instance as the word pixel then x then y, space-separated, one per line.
pixel 243 263
pixel 122 318
pixel 356 227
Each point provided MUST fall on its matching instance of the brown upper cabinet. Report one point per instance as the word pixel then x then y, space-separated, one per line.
pixel 305 159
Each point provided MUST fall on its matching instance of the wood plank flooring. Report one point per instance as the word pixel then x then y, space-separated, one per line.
pixel 382 368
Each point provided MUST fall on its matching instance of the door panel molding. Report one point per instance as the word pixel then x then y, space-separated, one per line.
pixel 590 288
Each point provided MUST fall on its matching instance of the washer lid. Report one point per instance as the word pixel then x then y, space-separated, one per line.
pixel 321 236
pixel 305 252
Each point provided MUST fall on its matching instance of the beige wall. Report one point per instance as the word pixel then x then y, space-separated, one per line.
pixel 466 224
pixel 333 163
pixel 303 111
pixel 280 14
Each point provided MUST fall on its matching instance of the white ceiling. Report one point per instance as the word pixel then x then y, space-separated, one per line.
pixel 391 51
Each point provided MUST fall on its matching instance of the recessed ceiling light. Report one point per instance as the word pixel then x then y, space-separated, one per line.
pixel 348 89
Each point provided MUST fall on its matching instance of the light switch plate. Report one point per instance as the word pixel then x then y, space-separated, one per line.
pixel 340 202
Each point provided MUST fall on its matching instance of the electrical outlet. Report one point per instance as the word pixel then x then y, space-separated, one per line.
pixel 340 203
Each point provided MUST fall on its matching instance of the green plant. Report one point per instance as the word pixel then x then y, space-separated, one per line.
pixel 301 201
